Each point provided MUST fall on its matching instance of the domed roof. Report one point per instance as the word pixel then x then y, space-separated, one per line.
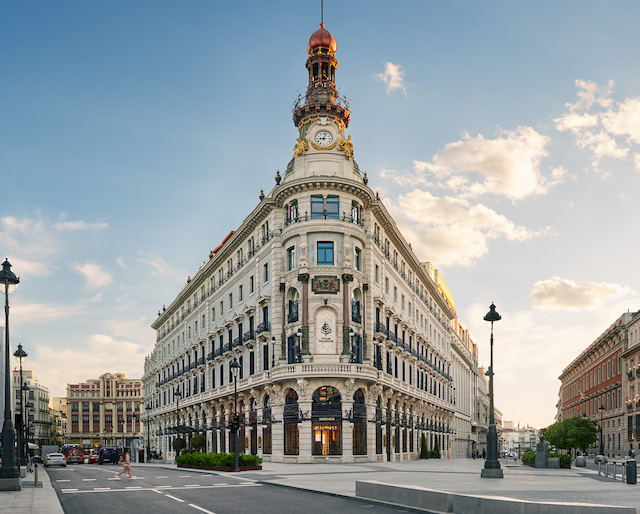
pixel 322 38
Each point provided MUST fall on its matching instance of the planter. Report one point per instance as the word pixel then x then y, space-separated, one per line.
pixel 565 466
pixel 424 456
pixel 220 468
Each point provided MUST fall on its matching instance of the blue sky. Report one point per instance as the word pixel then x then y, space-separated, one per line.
pixel 504 137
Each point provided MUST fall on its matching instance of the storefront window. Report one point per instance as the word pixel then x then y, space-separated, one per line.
pixel 326 421
pixel 291 429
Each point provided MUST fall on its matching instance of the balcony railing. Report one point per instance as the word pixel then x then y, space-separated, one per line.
pixel 237 341
pixel 249 336
pixel 263 327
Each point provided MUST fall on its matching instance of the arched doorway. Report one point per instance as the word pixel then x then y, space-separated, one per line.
pixel 253 422
pixel 291 429
pixel 379 426
pixel 326 421
pixel 359 423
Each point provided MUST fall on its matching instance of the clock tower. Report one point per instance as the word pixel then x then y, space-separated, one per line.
pixel 322 116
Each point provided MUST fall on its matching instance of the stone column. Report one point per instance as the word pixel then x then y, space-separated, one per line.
pixel 346 314
pixel 304 279
pixel 347 432
pixel 305 436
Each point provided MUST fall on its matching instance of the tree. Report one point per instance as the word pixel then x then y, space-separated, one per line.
pixel 198 442
pixel 179 443
pixel 576 432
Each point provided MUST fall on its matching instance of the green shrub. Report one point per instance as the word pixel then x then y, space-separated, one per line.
pixel 198 442
pixel 529 458
pixel 218 459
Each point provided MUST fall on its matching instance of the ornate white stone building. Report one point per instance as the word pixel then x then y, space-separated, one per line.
pixel 341 334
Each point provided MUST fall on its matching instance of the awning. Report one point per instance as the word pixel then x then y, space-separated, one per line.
pixel 33 446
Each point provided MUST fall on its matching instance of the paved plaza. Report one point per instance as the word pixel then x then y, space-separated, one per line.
pixel 576 485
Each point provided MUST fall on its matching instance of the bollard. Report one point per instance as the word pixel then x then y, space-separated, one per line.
pixel 35 475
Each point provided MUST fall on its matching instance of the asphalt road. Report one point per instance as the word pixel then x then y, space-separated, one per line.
pixel 91 488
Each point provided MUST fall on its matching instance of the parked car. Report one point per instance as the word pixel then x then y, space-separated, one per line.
pixel 108 455
pixel 93 459
pixel 55 459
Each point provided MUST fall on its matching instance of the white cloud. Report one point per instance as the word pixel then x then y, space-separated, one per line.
pixel 159 267
pixel 34 313
pixel 560 293
pixel 508 165
pixel 393 77
pixel 451 231
pixel 598 124
pixel 95 276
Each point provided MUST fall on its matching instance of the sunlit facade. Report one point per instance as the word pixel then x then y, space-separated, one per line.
pixel 342 335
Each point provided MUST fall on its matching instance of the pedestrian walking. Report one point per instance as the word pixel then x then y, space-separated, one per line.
pixel 126 463
pixel 484 453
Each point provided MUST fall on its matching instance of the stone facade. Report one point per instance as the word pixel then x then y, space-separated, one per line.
pixel 106 411
pixel 341 336
pixel 592 386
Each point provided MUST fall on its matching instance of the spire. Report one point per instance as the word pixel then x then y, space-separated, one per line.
pixel 322 98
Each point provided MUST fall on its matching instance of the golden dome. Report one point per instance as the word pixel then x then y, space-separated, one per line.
pixel 322 38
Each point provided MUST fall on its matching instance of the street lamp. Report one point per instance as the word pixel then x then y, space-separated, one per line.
pixel 235 367
pixel 21 354
pixel 352 358
pixel 9 469
pixel 273 352
pixel 492 465
pixel 178 394
pixel 299 346
pixel 601 409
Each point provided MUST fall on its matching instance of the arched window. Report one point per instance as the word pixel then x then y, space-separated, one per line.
pixel 359 423
pixel 291 419
pixel 293 296
pixel 356 302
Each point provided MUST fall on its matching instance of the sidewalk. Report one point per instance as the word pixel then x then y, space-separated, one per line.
pixel 575 485
pixel 36 500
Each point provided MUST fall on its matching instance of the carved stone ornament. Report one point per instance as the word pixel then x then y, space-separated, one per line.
pixel 347 147
pixel 325 285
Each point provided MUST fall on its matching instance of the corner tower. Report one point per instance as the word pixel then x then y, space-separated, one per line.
pixel 321 116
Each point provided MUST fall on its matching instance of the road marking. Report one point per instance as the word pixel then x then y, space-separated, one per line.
pixel 156 491
pixel 162 477
pixel 102 488
pixel 113 479
pixel 137 489
pixel 88 479
pixel 174 498
pixel 184 476
pixel 133 487
pixel 201 509
pixel 191 485
pixel 60 480
pixel 164 487
pixel 68 490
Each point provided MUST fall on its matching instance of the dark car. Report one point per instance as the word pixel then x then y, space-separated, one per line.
pixel 108 455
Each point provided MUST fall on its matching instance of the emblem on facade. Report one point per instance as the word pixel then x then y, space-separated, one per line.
pixel 326 329
pixel 330 285
pixel 300 148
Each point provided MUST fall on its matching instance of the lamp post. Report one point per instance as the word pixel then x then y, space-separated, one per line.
pixel 492 465
pixel 9 469
pixel 21 354
pixel 178 394
pixel 273 352
pixel 299 346
pixel 601 409
pixel 352 357
pixel 235 367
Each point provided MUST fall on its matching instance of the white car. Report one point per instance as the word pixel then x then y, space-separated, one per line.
pixel 55 459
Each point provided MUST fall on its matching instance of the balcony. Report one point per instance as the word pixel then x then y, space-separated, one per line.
pixel 263 327
pixel 380 328
pixel 237 342
pixel 249 336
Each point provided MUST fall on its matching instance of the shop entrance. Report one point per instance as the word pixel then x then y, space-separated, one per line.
pixel 326 438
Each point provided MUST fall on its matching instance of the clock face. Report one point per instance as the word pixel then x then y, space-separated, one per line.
pixel 323 138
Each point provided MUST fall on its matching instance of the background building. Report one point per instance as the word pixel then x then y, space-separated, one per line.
pixel 592 386
pixel 106 411
pixel 36 401
pixel 518 439
pixel 58 409
pixel 631 385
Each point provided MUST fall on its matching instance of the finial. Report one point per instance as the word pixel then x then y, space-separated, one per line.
pixel 158 312
pixel 278 177
pixel 164 308
pixel 261 194
pixel 210 254
pixel 365 179
pixel 377 196
pixel 188 278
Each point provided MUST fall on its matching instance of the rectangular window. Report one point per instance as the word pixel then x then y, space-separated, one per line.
pixel 357 258
pixel 317 207
pixel 221 307
pixel 230 301
pixel 240 293
pixel 291 258
pixel 333 207
pixel 377 275
pixel 251 284
pixel 325 253
pixel 265 271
